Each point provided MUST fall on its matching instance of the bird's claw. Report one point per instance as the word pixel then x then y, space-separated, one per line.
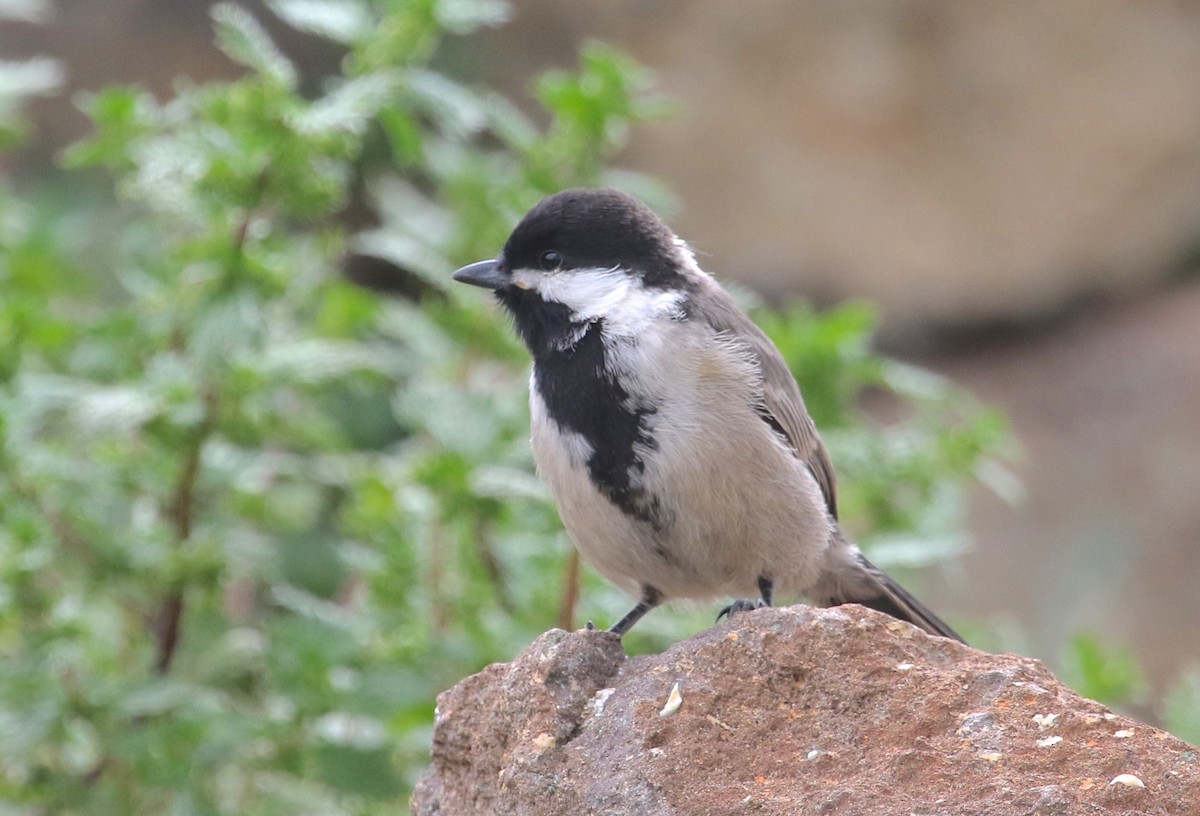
pixel 740 605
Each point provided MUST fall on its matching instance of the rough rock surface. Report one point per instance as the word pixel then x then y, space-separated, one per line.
pixel 791 711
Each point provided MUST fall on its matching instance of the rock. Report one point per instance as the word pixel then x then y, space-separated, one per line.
pixel 791 711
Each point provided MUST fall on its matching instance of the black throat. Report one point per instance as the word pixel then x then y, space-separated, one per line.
pixel 542 324
pixel 583 396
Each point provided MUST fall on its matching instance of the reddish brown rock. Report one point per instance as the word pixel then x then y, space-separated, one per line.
pixel 791 711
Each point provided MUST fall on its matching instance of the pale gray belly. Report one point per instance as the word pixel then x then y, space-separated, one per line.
pixel 731 506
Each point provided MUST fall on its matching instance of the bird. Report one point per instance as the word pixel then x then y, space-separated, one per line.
pixel 668 427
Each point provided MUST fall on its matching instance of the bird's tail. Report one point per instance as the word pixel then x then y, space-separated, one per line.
pixel 861 582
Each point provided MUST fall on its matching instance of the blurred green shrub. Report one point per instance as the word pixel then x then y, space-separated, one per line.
pixel 1105 673
pixel 253 518
pixel 1111 674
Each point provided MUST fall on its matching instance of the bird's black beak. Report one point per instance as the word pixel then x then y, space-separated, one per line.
pixel 488 274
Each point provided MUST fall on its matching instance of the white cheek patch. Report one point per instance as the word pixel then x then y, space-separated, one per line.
pixel 611 294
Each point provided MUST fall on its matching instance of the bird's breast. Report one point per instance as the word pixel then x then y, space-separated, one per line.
pixel 664 467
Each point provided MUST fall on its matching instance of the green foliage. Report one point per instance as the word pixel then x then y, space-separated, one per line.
pixel 1108 674
pixel 1181 711
pixel 253 519
pixel 1112 675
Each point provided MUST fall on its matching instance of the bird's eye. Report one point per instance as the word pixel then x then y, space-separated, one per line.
pixel 551 259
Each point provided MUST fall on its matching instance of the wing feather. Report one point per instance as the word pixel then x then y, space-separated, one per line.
pixel 783 406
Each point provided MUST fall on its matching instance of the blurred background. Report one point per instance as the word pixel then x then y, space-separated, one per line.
pixel 1015 188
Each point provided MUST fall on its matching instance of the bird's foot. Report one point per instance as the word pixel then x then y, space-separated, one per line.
pixel 740 605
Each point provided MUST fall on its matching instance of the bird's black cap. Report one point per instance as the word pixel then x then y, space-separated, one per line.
pixel 595 228
pixel 589 228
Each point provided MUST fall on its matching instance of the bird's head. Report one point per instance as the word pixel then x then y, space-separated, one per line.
pixel 586 256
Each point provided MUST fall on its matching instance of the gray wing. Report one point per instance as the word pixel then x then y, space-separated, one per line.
pixel 853 579
pixel 783 407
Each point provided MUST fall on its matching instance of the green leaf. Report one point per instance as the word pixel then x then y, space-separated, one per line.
pixel 310 606
pixel 913 551
pixel 122 116
pixel 40 76
pixel 465 16
pixel 245 41
pixel 342 21
pixel 507 483
pixel 364 773
pixel 27 728
pixel 458 110
pixel 318 361
pixel 160 696
pixel 508 123
pixel 1103 672
pixel 413 232
pixel 350 107
pixel 114 408
pixel 1181 712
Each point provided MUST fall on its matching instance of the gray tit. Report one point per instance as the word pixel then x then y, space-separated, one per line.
pixel 668 427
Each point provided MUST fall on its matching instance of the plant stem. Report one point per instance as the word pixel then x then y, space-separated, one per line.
pixel 182 511
pixel 569 598
pixel 492 566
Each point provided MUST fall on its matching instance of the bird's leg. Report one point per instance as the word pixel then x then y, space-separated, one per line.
pixel 766 589
pixel 651 598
